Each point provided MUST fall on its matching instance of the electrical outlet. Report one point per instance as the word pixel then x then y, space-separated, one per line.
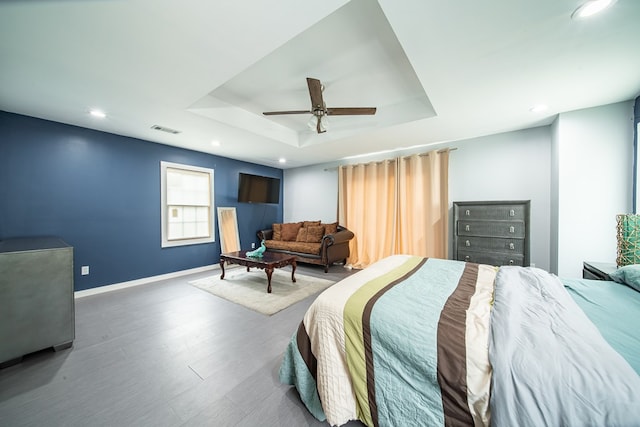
pixel 84 270
pixel 253 245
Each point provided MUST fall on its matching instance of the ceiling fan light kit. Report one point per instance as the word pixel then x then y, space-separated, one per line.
pixel 316 121
pixel 320 111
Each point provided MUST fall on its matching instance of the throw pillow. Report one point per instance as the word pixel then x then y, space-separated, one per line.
pixel 629 275
pixel 314 233
pixel 331 228
pixel 277 231
pixel 302 235
pixel 290 231
pixel 310 223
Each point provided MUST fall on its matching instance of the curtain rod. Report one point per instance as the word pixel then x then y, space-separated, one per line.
pixel 389 160
pixel 439 151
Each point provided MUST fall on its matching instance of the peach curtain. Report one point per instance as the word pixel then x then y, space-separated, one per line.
pixel 396 206
pixel 367 202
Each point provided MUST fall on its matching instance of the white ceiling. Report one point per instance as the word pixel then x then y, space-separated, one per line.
pixel 436 70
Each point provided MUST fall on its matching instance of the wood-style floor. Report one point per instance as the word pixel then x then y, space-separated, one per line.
pixel 162 354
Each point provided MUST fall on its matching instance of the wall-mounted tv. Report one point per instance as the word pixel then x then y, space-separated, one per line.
pixel 258 189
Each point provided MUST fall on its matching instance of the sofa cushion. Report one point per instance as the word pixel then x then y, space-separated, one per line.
pixel 300 247
pixel 302 235
pixel 310 223
pixel 311 234
pixel 331 228
pixel 290 231
pixel 277 231
pixel 315 233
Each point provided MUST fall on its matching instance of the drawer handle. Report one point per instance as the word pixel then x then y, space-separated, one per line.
pixel 512 229
pixel 467 243
pixel 467 212
pixel 512 213
pixel 466 227
pixel 512 246
pixel 511 262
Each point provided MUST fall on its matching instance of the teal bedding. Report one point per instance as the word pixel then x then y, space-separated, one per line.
pixel 413 341
pixel 551 365
pixel 614 309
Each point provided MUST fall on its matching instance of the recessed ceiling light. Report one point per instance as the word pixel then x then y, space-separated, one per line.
pixel 215 143
pixel 591 8
pixel 282 160
pixel 538 108
pixel 97 113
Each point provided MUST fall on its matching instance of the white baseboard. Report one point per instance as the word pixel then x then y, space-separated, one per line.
pixel 143 281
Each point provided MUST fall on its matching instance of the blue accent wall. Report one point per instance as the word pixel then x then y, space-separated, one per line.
pixel 100 193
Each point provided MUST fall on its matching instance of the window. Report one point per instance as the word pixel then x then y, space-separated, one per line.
pixel 187 204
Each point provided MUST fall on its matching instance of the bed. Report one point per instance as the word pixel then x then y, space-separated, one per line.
pixel 425 341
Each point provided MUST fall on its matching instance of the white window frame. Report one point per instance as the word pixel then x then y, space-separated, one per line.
pixel 164 208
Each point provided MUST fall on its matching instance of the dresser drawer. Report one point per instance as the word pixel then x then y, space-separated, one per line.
pixel 492 244
pixel 505 212
pixel 491 258
pixel 509 229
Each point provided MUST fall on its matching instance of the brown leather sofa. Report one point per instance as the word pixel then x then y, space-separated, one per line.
pixel 310 241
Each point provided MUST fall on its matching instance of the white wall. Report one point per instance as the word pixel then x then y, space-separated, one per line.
pixel 594 149
pixel 311 194
pixel 508 166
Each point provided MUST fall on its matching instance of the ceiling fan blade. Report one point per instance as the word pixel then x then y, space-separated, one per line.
pixel 315 92
pixel 348 111
pixel 273 113
pixel 320 110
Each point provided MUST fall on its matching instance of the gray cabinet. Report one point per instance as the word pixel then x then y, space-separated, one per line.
pixel 492 232
pixel 36 297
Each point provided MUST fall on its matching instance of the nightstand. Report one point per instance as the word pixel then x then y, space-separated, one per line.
pixel 598 270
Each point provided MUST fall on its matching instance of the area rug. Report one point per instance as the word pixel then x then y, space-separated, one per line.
pixel 249 289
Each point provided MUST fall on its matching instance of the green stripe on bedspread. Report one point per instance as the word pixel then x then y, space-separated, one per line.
pixel 354 342
pixel 404 383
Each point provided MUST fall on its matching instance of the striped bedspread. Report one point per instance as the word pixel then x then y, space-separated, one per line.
pixel 426 321
pixel 412 341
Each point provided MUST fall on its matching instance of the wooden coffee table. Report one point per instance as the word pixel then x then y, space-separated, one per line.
pixel 267 262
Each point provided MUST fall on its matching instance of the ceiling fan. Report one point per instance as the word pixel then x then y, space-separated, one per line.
pixel 319 108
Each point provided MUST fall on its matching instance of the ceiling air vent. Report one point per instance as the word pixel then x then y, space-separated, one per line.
pixel 165 129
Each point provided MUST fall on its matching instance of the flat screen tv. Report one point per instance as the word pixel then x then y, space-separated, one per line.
pixel 258 189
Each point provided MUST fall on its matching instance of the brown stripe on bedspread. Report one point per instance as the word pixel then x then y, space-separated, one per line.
pixel 366 332
pixel 304 348
pixel 452 354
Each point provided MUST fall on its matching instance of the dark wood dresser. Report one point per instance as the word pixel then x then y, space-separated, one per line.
pixel 492 232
